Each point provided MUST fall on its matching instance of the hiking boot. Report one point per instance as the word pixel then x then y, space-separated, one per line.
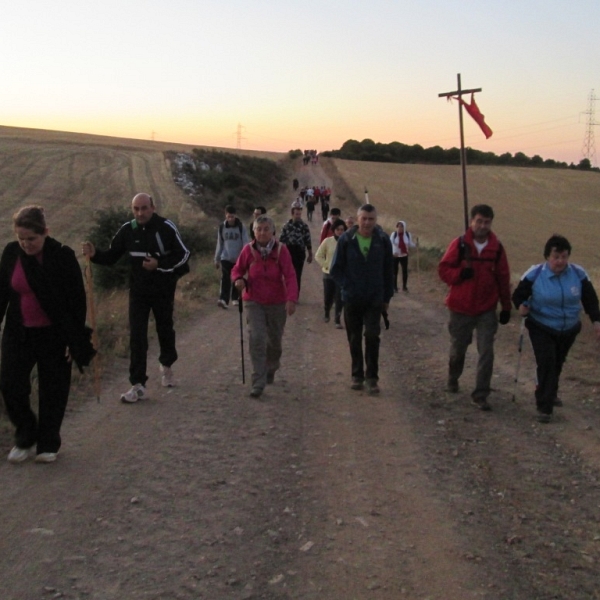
pixel 372 387
pixel 255 392
pixel 46 457
pixel 167 379
pixel 481 403
pixel 357 383
pixel 137 392
pixel 17 455
pixel 452 386
pixel 544 417
pixel 222 304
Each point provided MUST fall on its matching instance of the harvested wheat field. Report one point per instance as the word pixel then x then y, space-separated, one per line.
pixel 314 491
pixel 530 205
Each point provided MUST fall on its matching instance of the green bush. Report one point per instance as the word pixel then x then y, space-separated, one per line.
pixel 198 239
pixel 295 153
pixel 108 222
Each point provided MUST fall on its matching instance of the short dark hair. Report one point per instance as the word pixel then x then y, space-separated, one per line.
pixel 482 209
pixel 557 242
pixel 335 212
pixel 230 209
pixel 339 223
pixel 367 208
pixel 262 209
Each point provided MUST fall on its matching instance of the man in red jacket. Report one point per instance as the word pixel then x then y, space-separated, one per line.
pixel 476 269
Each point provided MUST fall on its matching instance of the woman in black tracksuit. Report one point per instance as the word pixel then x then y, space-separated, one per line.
pixel 43 305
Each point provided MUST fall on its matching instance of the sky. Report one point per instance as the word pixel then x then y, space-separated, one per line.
pixel 310 74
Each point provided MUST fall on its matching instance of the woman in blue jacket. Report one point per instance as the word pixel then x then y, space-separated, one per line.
pixel 550 296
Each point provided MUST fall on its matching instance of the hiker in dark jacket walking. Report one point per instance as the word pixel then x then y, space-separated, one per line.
pixel 550 295
pixel 296 236
pixel 43 299
pixel 363 268
pixel 157 256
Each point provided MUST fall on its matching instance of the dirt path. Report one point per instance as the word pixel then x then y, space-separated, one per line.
pixel 315 491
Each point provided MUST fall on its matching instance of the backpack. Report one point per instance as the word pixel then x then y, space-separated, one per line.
pixel 462 252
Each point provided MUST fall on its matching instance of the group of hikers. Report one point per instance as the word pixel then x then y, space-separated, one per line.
pixel 43 302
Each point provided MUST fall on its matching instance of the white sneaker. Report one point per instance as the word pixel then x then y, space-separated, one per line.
pixel 235 303
pixel 17 455
pixel 222 304
pixel 137 392
pixel 167 379
pixel 46 457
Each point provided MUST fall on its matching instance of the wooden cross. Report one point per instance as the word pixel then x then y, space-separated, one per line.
pixel 463 155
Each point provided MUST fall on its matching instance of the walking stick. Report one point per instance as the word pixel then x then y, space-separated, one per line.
pixel 241 310
pixel 89 281
pixel 418 265
pixel 519 354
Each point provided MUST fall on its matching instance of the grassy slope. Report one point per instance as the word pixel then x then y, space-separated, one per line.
pixel 72 175
pixel 530 205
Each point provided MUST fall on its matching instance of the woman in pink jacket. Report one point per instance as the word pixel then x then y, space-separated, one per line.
pixel 266 276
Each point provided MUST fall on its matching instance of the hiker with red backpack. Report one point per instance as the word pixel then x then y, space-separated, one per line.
pixel 550 296
pixel 265 276
pixel 231 238
pixel 475 267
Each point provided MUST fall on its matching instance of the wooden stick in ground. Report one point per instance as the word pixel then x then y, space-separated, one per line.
pixel 89 284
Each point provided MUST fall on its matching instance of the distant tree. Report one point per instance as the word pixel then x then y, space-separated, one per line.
pixel 295 153
pixel 584 164
pixel 536 161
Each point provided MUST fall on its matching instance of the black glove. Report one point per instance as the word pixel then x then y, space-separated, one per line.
pixel 504 317
pixel 467 273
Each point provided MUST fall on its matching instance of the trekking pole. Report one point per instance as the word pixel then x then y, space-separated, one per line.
pixel 519 354
pixel 89 281
pixel 241 310
pixel 418 265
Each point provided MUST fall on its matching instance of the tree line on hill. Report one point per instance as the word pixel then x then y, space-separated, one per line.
pixel 396 152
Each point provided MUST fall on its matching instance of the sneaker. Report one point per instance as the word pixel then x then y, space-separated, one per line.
pixel 167 379
pixel 357 383
pixel 137 392
pixel 372 387
pixel 452 386
pixel 544 417
pixel 481 403
pixel 338 325
pixel 17 455
pixel 255 392
pixel 235 303
pixel 270 377
pixel 222 304
pixel 46 457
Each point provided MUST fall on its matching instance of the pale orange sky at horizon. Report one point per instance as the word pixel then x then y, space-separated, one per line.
pixel 304 78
